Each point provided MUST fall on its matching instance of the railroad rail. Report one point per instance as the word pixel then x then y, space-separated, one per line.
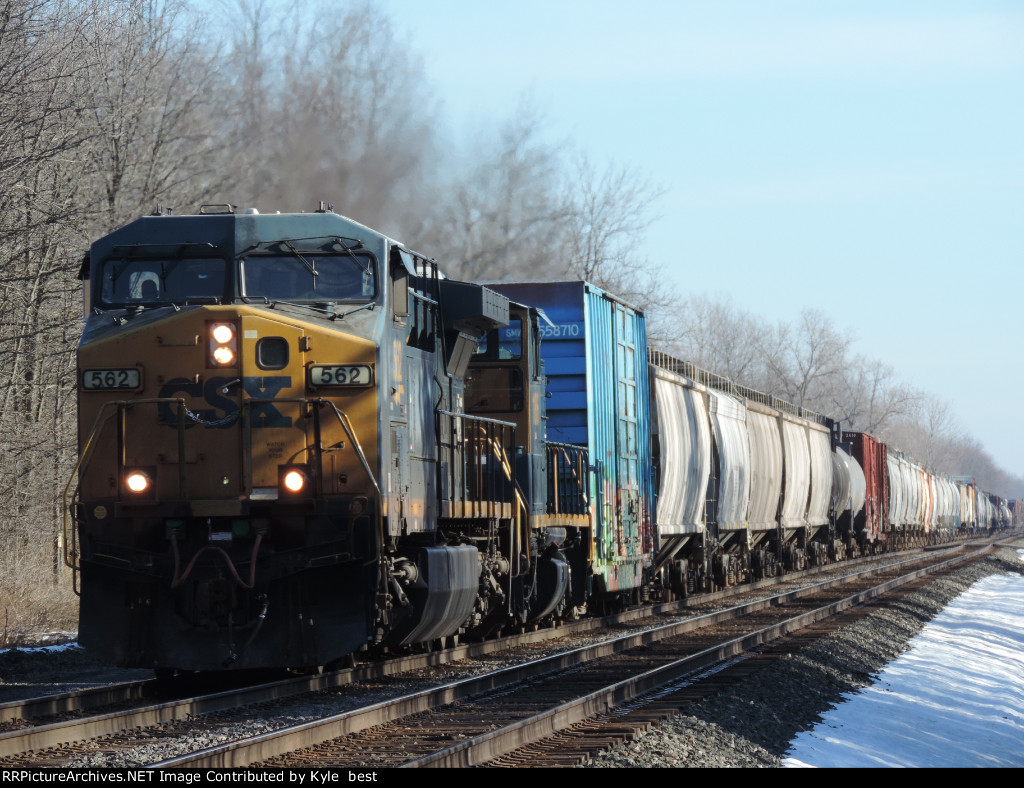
pixel 483 728
pixel 18 713
pixel 47 744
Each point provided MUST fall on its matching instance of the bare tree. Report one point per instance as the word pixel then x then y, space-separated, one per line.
pixel 340 112
pixel 93 101
pixel 40 56
pixel 929 433
pixel 715 335
pixel 503 216
pixel 973 460
pixel 153 105
pixel 42 68
pixel 804 361
pixel 610 212
pixel 869 397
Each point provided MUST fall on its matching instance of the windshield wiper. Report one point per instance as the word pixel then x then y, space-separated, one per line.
pixel 309 266
pixel 329 311
pixel 276 301
pixel 348 250
pixel 118 270
pixel 336 316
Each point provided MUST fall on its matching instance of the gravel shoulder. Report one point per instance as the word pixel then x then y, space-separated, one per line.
pixel 751 724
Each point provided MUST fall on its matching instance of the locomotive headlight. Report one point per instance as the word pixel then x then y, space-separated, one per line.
pixel 223 333
pixel 223 344
pixel 138 482
pixel 294 481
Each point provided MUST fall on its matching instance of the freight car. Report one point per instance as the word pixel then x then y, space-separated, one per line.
pixel 299 441
pixel 1016 507
pixel 764 468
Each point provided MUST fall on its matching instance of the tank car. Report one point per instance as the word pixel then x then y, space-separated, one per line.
pixel 849 495
pixel 277 466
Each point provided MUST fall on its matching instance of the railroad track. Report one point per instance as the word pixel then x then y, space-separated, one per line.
pixel 589 686
pixel 58 706
pixel 45 745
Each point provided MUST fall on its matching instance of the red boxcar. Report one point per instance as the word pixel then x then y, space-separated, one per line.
pixel 872 523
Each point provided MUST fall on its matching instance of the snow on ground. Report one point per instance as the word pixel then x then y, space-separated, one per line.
pixel 55 647
pixel 955 699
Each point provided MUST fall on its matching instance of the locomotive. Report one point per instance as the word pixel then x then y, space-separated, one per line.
pixel 277 466
pixel 300 441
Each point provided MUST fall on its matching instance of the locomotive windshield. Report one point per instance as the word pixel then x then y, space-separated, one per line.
pixel 144 281
pixel 309 276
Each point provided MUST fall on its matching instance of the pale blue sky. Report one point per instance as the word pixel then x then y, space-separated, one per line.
pixel 861 157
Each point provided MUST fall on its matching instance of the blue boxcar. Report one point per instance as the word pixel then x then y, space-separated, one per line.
pixel 595 360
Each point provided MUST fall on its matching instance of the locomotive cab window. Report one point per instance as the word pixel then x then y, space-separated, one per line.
pixel 505 343
pixel 494 389
pixel 131 282
pixel 309 276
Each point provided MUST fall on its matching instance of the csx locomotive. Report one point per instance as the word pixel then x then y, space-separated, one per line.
pixel 277 464
pixel 299 441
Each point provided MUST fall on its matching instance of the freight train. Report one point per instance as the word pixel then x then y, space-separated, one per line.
pixel 299 441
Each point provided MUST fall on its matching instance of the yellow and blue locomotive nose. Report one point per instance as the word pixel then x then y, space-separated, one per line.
pixel 225 452
pixel 228 491
pixel 223 399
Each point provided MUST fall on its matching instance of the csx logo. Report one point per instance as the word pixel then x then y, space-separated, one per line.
pixel 261 414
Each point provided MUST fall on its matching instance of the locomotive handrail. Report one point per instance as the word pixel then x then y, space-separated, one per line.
pixel 557 498
pixel 472 417
pixel 575 446
pixel 71 545
pixel 517 538
pixel 343 419
pixel 346 425
pixel 517 547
